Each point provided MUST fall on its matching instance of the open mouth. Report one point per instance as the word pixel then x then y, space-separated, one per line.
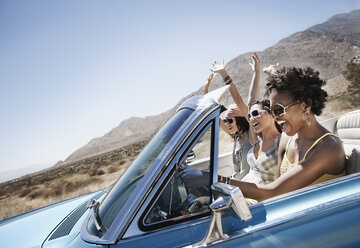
pixel 255 124
pixel 283 125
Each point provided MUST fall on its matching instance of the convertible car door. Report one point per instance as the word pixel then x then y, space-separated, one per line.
pixel 177 212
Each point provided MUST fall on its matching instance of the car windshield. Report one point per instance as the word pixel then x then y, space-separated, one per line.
pixel 121 191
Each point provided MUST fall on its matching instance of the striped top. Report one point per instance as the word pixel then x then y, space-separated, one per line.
pixel 263 168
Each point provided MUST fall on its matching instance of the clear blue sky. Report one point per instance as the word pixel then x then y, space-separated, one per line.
pixel 72 70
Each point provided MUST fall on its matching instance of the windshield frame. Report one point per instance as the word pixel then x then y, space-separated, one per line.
pixel 199 107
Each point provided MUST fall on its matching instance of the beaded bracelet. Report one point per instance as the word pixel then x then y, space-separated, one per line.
pixel 223 179
pixel 227 180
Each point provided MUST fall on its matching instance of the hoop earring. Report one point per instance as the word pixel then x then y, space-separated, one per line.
pixel 306 118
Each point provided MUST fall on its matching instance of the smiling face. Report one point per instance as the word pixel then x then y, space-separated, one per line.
pixel 291 120
pixel 259 119
pixel 232 127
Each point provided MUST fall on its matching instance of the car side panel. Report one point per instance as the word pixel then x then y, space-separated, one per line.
pixel 334 227
pixel 175 236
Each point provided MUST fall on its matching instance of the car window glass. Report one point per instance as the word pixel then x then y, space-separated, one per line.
pixel 125 186
pixel 188 190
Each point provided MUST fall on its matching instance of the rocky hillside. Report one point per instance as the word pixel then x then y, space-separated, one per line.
pixel 129 131
pixel 327 47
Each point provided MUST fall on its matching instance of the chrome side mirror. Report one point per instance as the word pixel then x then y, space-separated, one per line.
pixel 238 203
pixel 228 197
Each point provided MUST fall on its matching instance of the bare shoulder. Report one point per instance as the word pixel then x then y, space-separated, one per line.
pixel 331 143
pixel 284 139
pixel 329 154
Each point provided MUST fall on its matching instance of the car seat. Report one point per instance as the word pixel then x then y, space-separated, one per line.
pixel 347 127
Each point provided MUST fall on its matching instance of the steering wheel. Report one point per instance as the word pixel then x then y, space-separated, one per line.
pixel 198 204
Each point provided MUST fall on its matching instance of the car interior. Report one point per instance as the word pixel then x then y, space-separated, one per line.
pixel 347 128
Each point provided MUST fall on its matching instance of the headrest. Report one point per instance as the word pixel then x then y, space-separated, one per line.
pixel 348 129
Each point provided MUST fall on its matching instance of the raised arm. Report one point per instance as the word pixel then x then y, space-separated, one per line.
pixel 206 90
pixel 254 90
pixel 208 82
pixel 220 68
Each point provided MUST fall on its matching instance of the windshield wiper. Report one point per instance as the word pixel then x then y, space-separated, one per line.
pixel 93 205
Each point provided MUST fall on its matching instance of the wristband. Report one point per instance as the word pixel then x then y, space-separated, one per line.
pixel 227 80
pixel 227 180
pixel 220 178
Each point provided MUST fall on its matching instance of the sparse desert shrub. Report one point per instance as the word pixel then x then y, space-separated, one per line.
pixel 91 180
pixel 53 192
pixel 96 172
pixel 36 194
pixel 83 171
pixel 100 172
pixel 56 192
pixel 24 192
pixel 71 186
pixel 92 172
pixel 112 169
pixel 34 188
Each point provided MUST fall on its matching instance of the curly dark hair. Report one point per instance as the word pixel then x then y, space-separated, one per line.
pixel 302 85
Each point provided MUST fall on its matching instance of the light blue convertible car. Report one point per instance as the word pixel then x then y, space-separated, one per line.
pixel 170 197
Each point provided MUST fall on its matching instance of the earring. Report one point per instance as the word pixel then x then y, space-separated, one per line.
pixel 306 118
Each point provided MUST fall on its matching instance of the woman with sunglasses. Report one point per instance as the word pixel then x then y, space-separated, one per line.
pixel 262 158
pixel 234 122
pixel 308 153
pixel 236 125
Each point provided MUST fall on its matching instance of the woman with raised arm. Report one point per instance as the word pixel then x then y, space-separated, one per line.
pixel 262 158
pixel 235 124
pixel 308 153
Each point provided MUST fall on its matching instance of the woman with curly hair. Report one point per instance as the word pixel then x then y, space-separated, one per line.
pixel 308 153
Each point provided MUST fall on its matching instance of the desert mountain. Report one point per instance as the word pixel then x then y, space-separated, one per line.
pixel 326 47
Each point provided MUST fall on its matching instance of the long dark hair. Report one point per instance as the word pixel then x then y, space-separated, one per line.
pixel 242 124
pixel 265 105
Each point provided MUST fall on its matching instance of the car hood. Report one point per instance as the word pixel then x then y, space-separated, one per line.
pixel 31 229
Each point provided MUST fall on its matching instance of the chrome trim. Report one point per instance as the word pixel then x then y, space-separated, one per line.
pixel 215 232
pixel 347 200
pixel 231 197
pixel 178 156
pixel 93 206
pixel 127 213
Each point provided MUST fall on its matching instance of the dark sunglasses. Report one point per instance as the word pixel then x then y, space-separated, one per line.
pixel 228 120
pixel 254 114
pixel 278 110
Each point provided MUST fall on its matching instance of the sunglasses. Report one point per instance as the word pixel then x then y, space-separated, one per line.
pixel 254 114
pixel 228 120
pixel 278 110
